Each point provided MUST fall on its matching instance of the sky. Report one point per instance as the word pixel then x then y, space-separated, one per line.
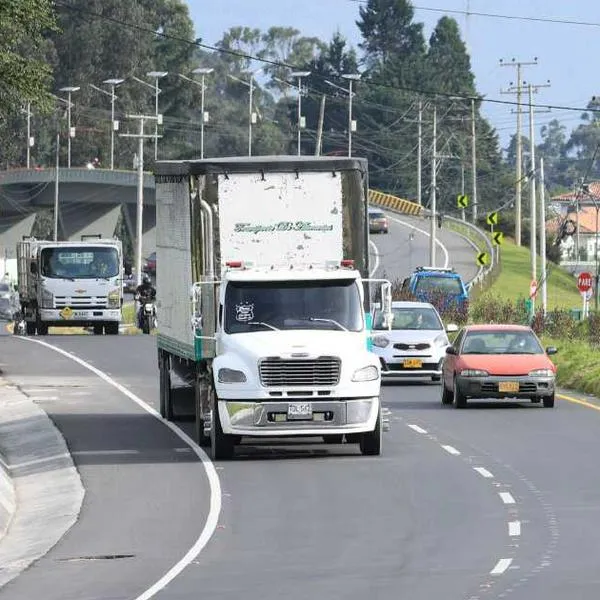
pixel 565 52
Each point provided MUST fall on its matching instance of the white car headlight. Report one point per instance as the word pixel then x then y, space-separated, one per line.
pixel 369 373
pixel 474 373
pixel 231 376
pixel 441 340
pixel 380 341
pixel 541 373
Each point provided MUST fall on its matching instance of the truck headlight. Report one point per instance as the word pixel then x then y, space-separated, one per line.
pixel 47 298
pixel 230 376
pixel 369 373
pixel 380 341
pixel 474 373
pixel 114 298
pixel 541 373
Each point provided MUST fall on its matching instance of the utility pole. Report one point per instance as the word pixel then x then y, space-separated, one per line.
pixel 542 203
pixel 56 171
pixel 433 206
pixel 300 75
pixel 473 163
pixel 320 126
pixel 29 138
pixel 351 122
pixel 532 216
pixel 141 136
pixel 518 89
pixel 462 189
pixel 420 155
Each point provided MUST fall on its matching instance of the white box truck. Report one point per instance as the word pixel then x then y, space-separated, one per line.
pixel 264 300
pixel 70 284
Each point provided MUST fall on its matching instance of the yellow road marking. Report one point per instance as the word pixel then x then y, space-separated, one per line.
pixel 579 401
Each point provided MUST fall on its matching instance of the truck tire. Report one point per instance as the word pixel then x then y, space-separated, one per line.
pixel 165 389
pixel 371 442
pixel 222 446
pixel 98 329
pixel 30 328
pixel 201 388
pixel 111 329
pixel 42 329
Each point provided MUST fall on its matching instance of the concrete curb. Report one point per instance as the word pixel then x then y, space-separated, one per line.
pixel 8 502
pixel 47 486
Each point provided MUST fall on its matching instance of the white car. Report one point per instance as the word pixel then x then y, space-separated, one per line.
pixel 416 344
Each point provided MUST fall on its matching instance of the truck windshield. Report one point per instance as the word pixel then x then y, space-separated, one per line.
pixel 76 262
pixel 267 306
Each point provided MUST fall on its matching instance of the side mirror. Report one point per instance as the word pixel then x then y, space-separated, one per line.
pixel 451 328
pixel 551 350
pixel 451 350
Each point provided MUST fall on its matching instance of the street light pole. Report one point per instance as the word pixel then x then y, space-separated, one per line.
pixel 433 207
pixel 351 124
pixel 114 125
pixel 156 75
pixel 71 132
pixel 300 75
pixel 29 135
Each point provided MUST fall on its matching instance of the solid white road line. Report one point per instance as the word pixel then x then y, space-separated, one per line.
pixel 103 452
pixel 411 226
pixel 483 472
pixel 507 497
pixel 211 473
pixel 417 429
pixel 501 566
pixel 451 450
pixel 514 528
pixel 376 252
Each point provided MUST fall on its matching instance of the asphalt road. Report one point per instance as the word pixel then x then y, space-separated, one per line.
pixel 496 501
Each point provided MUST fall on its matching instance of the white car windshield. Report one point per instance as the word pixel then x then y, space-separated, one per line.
pixel 412 318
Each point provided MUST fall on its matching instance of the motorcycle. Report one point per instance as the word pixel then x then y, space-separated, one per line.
pixel 148 315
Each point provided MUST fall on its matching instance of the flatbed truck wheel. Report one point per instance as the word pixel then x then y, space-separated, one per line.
pixel 371 442
pixel 222 446
pixel 201 393
pixel 165 389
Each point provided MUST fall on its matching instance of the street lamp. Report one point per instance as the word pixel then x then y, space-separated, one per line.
pixel 30 138
pixel 351 123
pixel 114 125
pixel 251 113
pixel 69 90
pixel 301 123
pixel 203 71
pixel 158 120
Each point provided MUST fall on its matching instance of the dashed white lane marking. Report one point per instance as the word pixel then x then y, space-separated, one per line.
pixel 376 252
pixel 507 497
pixel 437 241
pixel 514 528
pixel 417 428
pixel 483 472
pixel 214 511
pixel 103 452
pixel 501 566
pixel 182 450
pixel 451 450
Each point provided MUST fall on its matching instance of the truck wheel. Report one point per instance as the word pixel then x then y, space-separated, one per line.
pixel 222 446
pixel 370 443
pixel 201 392
pixel 30 328
pixel 111 329
pixel 165 389
pixel 98 329
pixel 42 329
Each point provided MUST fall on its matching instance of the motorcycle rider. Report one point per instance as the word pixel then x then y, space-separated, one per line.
pixel 144 291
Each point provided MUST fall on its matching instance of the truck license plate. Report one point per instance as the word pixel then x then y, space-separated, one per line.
pixel 300 411
pixel 508 386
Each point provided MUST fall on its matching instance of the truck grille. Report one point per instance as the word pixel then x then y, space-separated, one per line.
pixel 324 370
pixel 80 301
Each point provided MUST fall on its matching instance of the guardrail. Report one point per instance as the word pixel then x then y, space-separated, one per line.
pixel 395 203
pixel 477 237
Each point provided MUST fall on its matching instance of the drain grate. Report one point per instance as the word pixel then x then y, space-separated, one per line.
pixel 97 557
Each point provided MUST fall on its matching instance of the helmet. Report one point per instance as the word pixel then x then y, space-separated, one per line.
pixel 146 279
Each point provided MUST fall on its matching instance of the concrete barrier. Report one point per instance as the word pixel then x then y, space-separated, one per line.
pixel 8 502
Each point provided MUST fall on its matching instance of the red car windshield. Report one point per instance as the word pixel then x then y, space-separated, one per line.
pixel 501 342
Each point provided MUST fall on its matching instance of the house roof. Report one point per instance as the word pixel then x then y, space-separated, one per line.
pixel 592 194
pixel 587 220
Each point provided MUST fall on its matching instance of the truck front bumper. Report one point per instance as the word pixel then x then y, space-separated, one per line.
pixel 79 316
pixel 299 418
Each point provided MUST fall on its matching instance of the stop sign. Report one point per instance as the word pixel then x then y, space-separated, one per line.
pixel 584 282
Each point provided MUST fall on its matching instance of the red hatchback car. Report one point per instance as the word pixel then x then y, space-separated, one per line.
pixel 497 361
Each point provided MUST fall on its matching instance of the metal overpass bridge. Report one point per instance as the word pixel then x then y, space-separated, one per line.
pixel 90 202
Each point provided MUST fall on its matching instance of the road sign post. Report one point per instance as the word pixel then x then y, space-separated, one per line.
pixel 533 288
pixel 585 284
